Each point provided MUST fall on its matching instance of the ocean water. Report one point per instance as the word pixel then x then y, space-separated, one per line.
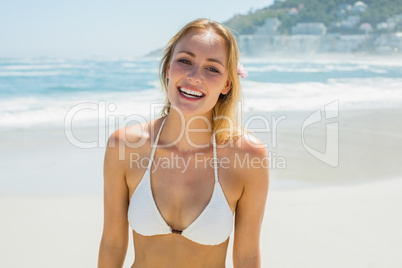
pixel 42 99
pixel 45 91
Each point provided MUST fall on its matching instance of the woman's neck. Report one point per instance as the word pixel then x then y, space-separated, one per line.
pixel 187 133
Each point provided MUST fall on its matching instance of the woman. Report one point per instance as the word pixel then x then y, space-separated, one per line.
pixel 178 180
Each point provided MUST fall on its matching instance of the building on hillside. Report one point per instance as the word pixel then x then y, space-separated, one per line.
pixel 269 27
pixel 262 45
pixel 344 43
pixel 302 44
pixel 395 19
pixel 293 11
pixel 350 22
pixel 389 43
pixel 359 7
pixel 351 43
pixel 366 28
pixel 385 26
pixel 256 45
pixel 313 28
pixel 345 7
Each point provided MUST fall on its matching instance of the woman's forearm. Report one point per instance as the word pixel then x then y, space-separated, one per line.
pixel 111 257
pixel 254 262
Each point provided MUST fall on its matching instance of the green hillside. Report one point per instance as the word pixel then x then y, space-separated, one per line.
pixel 327 12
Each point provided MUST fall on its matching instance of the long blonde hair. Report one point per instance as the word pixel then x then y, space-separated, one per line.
pixel 224 115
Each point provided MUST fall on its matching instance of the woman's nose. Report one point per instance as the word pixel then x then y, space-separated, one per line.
pixel 194 75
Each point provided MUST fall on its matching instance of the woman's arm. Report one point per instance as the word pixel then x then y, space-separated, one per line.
pixel 250 208
pixel 113 246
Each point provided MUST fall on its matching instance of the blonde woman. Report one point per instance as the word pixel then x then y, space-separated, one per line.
pixel 184 182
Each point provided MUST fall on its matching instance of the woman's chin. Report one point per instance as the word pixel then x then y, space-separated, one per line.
pixel 185 110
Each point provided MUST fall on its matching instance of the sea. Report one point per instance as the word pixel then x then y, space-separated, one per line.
pixel 48 91
pixel 43 99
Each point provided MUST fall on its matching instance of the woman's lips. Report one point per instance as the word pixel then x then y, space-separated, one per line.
pixel 190 93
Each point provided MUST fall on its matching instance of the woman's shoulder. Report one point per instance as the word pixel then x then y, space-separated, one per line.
pixel 135 136
pixel 246 143
pixel 247 155
pixel 136 139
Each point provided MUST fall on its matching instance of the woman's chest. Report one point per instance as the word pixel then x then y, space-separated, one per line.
pixel 183 186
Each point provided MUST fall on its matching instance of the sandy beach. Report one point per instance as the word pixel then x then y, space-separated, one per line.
pixel 316 215
pixel 347 226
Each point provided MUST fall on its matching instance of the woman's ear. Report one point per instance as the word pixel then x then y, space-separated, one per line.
pixel 226 89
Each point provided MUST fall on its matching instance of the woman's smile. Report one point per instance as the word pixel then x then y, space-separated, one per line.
pixel 190 93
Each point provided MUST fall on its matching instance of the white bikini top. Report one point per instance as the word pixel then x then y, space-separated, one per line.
pixel 212 227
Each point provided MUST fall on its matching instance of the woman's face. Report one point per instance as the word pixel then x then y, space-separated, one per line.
pixel 198 73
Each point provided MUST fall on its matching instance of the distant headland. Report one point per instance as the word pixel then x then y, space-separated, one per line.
pixel 313 26
pixel 303 27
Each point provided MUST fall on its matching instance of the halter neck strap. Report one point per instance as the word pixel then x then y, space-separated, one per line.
pixel 151 159
pixel 215 159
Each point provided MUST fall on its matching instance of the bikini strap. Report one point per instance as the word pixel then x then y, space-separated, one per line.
pixel 151 158
pixel 156 144
pixel 215 158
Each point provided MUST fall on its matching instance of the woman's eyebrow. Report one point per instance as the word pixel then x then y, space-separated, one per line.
pixel 193 55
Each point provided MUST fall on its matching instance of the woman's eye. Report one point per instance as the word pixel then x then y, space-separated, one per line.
pixel 184 61
pixel 212 69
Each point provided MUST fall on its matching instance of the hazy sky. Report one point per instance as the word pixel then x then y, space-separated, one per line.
pixel 72 28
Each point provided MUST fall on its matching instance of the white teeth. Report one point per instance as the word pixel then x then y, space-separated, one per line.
pixel 189 96
pixel 190 93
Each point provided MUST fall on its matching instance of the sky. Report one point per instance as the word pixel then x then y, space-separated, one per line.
pixel 79 28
